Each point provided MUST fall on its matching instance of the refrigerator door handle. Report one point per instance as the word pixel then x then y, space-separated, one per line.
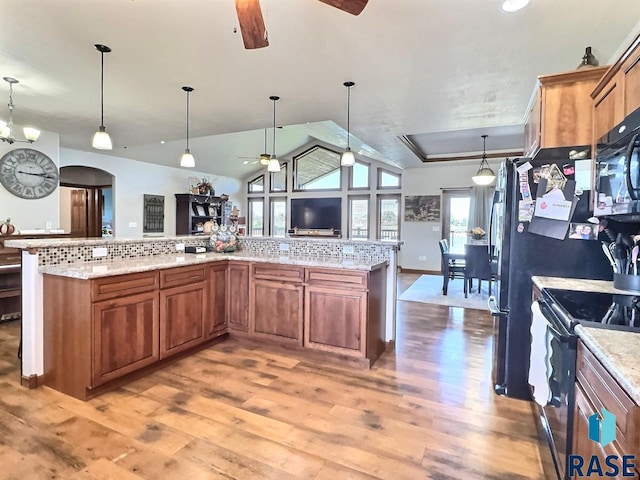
pixel 494 308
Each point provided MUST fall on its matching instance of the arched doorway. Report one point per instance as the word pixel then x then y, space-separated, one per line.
pixel 86 201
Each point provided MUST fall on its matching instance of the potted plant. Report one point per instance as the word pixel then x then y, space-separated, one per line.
pixel 478 233
pixel 205 187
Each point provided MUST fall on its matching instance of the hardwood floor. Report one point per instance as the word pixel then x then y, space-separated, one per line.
pixel 237 411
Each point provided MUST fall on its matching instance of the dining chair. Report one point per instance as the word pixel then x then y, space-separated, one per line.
pixel 477 265
pixel 453 265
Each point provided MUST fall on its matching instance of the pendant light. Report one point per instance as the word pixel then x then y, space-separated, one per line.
pixel 187 159
pixel 6 129
pixel 484 175
pixel 274 164
pixel 101 139
pixel 347 158
pixel 264 157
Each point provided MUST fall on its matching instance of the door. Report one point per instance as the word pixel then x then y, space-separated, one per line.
pixel 182 311
pixel 216 320
pixel 238 296
pixel 277 309
pixel 125 335
pixel 455 214
pixel 86 212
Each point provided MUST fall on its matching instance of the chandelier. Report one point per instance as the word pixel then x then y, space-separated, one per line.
pixel 6 129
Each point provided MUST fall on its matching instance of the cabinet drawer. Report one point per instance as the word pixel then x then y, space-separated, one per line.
pixel 337 278
pixel 175 277
pixel 111 287
pixel 268 271
pixel 10 256
pixel 603 391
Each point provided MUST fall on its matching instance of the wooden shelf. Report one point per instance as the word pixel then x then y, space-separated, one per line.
pixel 10 292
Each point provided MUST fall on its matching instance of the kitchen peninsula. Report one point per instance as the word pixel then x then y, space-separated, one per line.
pixel 331 296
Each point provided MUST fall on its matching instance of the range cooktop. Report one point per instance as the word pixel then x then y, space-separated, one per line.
pixel 597 309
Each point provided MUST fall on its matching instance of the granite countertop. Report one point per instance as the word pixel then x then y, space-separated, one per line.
pixel 616 349
pixel 72 242
pixel 618 352
pixel 107 268
pixel 579 284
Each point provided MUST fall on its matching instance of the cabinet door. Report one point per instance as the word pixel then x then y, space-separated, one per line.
pixel 585 447
pixel 532 127
pixel 631 72
pixel 125 335
pixel 216 320
pixel 277 309
pixel 335 319
pixel 238 296
pixel 182 312
pixel 608 108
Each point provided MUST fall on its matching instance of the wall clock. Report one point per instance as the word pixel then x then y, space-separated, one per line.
pixel 28 173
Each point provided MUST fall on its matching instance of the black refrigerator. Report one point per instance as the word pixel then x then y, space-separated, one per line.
pixel 520 255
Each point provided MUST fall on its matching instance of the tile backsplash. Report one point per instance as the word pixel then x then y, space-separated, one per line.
pixel 117 250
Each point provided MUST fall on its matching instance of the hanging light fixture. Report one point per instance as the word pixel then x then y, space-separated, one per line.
pixel 274 164
pixel 347 158
pixel 6 129
pixel 264 157
pixel 484 175
pixel 101 139
pixel 187 159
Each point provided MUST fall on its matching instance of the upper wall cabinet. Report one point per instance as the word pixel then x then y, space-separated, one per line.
pixel 560 110
pixel 618 92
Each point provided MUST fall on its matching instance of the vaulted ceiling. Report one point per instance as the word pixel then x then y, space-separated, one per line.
pixel 441 71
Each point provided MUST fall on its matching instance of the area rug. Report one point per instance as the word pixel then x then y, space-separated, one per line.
pixel 428 289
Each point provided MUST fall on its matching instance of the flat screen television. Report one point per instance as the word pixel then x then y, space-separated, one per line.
pixel 316 213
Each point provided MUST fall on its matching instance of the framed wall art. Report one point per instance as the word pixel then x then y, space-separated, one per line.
pixel 422 208
pixel 153 214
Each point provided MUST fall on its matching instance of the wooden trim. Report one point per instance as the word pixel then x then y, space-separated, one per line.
pixel 423 272
pixel 32 381
pixel 615 68
pixel 584 74
pixel 390 346
pixel 474 156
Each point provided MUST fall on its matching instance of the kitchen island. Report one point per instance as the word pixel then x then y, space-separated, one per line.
pixel 290 299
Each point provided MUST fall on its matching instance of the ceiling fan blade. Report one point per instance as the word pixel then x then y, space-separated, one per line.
pixel 254 33
pixel 354 7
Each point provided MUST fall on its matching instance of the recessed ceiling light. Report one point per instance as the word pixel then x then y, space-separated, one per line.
pixel 245 162
pixel 161 142
pixel 511 6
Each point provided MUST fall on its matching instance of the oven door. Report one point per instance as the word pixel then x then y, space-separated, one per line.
pixel 552 380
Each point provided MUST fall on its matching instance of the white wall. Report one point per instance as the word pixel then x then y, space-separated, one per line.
pixel 32 214
pixel 421 238
pixel 133 179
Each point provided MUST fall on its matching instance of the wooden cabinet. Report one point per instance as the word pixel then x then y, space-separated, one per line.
pixel 125 336
pixel 192 211
pixel 344 311
pixel 597 389
pixel 183 305
pixel 560 112
pixel 277 299
pixel 617 94
pixel 215 322
pixel 237 296
pixel 10 284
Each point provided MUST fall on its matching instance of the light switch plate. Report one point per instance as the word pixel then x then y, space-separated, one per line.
pixel 179 247
pixel 133 224
pixel 284 247
pixel 348 249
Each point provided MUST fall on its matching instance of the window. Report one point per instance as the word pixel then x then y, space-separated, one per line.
pixel 256 217
pixel 359 176
pixel 455 218
pixel 317 168
pixel 278 216
pixel 256 185
pixel 388 217
pixel 278 180
pixel 388 179
pixel 359 217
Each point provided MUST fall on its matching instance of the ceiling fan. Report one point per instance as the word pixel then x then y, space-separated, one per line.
pixel 254 33
pixel 263 158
